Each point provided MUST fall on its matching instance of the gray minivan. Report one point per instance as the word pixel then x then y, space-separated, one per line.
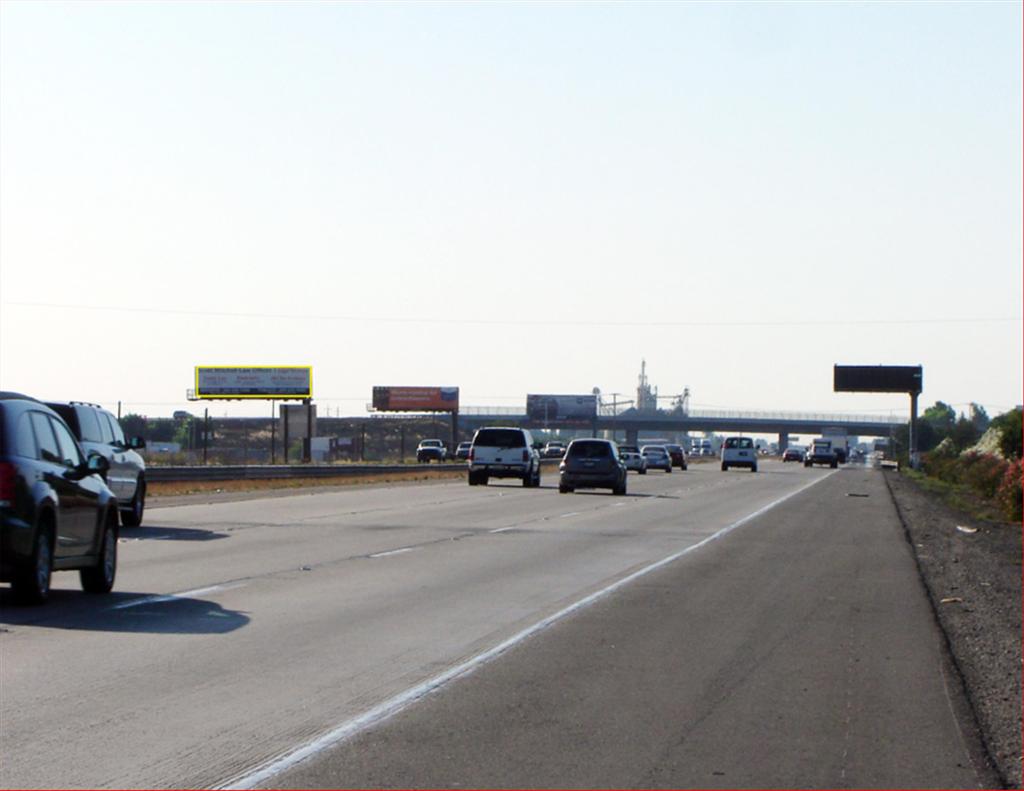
pixel 98 431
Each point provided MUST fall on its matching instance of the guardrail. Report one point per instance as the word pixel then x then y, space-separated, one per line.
pixel 239 472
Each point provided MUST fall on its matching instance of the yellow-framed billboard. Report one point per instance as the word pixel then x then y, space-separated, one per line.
pixel 280 382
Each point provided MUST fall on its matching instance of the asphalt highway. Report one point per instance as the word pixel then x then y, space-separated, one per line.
pixel 708 629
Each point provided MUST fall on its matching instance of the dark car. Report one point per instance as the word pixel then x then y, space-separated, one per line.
pixel 98 431
pixel 793 454
pixel 592 464
pixel 678 456
pixel 56 511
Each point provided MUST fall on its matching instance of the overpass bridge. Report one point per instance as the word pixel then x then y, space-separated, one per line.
pixel 632 422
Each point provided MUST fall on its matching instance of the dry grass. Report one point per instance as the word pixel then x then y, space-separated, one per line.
pixel 174 488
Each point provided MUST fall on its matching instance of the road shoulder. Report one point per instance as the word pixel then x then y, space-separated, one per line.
pixel 972 571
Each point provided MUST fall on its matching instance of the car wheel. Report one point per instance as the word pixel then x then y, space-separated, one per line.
pixel 31 585
pixel 620 490
pixel 683 468
pixel 833 464
pixel 643 470
pixel 133 516
pixel 100 578
pixel 725 467
pixel 807 464
pixel 754 468
pixel 563 489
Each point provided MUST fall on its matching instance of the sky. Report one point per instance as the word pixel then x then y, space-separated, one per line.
pixel 512 198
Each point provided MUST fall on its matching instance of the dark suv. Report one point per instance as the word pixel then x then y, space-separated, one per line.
pixel 56 511
pixel 98 431
pixel 678 456
pixel 592 464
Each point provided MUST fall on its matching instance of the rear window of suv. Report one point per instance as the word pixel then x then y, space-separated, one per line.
pixel 499 438
pixel 589 450
pixel 739 442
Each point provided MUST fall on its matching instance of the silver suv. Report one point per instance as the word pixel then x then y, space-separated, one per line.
pixel 98 432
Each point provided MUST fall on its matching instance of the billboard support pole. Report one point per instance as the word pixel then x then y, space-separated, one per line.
pixel 273 431
pixel 455 431
pixel 284 437
pixel 206 431
pixel 307 444
pixel 913 431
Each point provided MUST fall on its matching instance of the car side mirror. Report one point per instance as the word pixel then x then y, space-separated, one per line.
pixel 97 464
pixel 137 443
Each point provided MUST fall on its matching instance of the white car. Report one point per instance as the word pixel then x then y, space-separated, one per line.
pixel 657 456
pixel 739 452
pixel 634 461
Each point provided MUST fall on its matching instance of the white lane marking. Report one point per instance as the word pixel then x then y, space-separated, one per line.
pixel 172 596
pixel 571 513
pixel 500 529
pixel 393 552
pixel 403 700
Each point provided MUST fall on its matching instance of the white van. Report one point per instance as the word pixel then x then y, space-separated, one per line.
pixel 739 452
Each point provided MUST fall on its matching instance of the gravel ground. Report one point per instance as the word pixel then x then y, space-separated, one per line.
pixel 974 582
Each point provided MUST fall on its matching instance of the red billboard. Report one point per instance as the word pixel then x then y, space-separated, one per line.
pixel 416 399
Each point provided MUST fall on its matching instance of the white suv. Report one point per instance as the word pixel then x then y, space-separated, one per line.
pixel 739 452
pixel 501 452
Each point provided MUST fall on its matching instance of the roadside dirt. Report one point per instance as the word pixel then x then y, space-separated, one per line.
pixel 972 570
pixel 161 489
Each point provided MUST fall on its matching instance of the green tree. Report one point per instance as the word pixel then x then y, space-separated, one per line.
pixel 134 425
pixel 1009 426
pixel 979 417
pixel 964 434
pixel 941 417
pixel 160 430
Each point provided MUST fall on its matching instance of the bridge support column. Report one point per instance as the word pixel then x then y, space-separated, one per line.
pixel 632 436
pixel 783 441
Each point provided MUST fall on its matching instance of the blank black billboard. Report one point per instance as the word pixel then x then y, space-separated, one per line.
pixel 877 378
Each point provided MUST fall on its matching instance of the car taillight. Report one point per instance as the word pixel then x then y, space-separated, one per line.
pixel 7 477
pixel 471 454
pixel 526 455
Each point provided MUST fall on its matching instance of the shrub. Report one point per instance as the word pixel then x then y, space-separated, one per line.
pixel 1010 494
pixel 982 472
pixel 1011 439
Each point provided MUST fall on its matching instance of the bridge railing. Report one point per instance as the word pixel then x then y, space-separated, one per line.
pixel 824 417
pixel 608 410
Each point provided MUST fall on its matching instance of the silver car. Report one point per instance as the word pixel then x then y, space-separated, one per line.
pixel 634 461
pixel 657 456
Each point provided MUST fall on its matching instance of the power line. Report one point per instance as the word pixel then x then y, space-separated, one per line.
pixel 514 322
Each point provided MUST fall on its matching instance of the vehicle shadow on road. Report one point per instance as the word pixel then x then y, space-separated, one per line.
pixel 157 533
pixel 599 493
pixel 121 611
